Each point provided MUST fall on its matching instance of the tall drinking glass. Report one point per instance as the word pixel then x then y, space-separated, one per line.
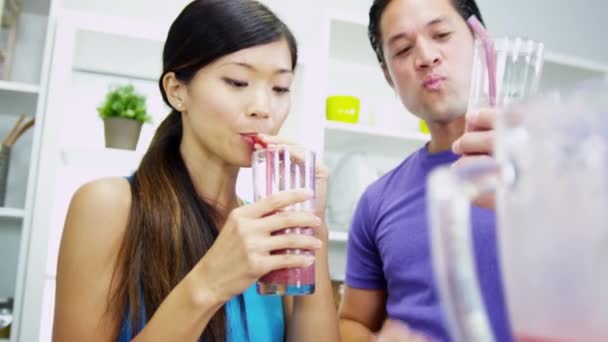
pixel 278 169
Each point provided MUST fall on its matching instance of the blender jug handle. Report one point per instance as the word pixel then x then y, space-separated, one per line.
pixel 450 192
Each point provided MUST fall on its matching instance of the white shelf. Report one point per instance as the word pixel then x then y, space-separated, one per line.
pixel 350 31
pixel 349 45
pixel 575 62
pixel 359 138
pixel 19 87
pixel 561 71
pixel 335 236
pixel 11 213
pixel 333 127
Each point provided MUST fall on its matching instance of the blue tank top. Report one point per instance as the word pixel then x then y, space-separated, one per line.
pixel 263 319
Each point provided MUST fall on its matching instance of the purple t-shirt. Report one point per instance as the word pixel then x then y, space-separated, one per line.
pixel 389 248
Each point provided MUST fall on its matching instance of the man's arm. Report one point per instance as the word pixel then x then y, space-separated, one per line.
pixel 362 313
pixel 363 307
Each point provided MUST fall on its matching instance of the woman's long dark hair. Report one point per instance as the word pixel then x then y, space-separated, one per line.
pixel 170 227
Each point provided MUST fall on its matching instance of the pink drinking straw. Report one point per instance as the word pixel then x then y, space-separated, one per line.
pixel 488 45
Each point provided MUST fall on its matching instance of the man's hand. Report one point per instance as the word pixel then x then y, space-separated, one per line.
pixel 397 331
pixel 478 143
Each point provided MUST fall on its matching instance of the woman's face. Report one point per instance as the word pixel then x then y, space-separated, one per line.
pixel 243 92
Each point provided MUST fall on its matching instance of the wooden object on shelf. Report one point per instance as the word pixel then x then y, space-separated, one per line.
pixel 12 131
pixel 6 317
pixel 1 10
pixel 17 131
pixel 9 21
pixel 21 131
pixel 5 157
pixel 5 151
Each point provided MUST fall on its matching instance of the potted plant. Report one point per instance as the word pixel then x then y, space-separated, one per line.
pixel 123 113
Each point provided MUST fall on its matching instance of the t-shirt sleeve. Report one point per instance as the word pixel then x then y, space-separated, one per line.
pixel 363 262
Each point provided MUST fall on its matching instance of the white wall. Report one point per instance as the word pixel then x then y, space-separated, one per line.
pixel 571 27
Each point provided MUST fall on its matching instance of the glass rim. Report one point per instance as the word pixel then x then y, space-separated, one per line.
pixel 278 148
pixel 526 45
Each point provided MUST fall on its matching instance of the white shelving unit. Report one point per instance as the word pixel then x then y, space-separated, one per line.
pixel 385 134
pixel 21 93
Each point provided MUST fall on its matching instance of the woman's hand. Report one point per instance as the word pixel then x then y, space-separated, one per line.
pixel 478 143
pixel 312 317
pixel 241 253
pixel 321 175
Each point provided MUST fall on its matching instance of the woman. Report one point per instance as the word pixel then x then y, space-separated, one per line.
pixel 171 254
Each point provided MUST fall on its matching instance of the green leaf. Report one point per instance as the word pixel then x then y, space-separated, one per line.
pixel 124 102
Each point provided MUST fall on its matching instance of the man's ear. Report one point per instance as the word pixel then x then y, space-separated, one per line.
pixel 387 75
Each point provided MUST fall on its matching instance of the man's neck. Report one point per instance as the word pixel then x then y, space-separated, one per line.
pixel 443 135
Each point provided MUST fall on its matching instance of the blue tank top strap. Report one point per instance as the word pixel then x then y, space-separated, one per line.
pixel 130 178
pixel 127 332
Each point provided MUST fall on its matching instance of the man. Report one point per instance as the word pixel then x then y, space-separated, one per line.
pixel 425 49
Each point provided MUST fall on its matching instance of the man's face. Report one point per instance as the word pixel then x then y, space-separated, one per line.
pixel 428 53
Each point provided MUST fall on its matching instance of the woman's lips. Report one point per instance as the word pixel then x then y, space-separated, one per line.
pixel 252 139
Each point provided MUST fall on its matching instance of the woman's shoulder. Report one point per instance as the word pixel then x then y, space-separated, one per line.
pixel 108 186
pixel 93 233
pixel 107 198
pixel 98 214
